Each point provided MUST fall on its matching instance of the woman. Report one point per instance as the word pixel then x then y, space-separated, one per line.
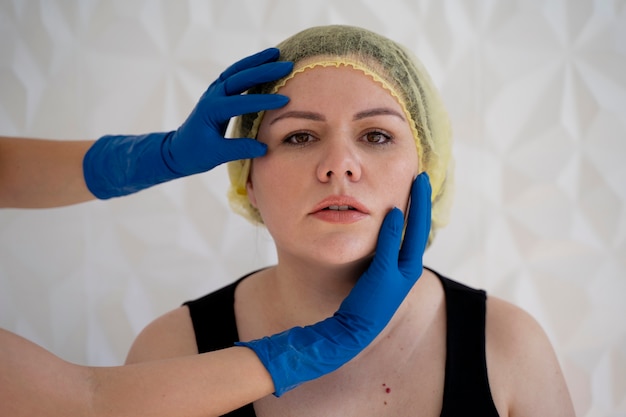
pixel 35 382
pixel 363 120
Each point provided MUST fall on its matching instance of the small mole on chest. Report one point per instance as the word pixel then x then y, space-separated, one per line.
pixel 387 391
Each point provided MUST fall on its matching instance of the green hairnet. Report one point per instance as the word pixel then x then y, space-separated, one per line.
pixel 396 70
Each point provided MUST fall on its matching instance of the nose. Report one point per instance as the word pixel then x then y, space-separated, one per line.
pixel 339 161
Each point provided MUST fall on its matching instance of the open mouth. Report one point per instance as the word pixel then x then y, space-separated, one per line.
pixel 339 208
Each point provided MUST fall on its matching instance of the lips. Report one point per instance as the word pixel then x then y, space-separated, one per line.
pixel 340 209
pixel 340 203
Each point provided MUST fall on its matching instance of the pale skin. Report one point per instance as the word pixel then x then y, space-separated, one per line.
pixel 34 382
pixel 344 135
pixel 39 173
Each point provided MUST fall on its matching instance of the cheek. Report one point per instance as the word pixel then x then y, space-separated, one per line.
pixel 259 182
pixel 401 177
pixel 268 184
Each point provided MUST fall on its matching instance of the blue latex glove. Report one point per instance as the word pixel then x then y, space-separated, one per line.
pixel 120 165
pixel 305 353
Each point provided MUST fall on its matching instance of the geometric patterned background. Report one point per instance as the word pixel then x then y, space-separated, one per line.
pixel 537 95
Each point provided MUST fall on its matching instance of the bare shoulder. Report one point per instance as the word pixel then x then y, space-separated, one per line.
pixel 524 371
pixel 168 336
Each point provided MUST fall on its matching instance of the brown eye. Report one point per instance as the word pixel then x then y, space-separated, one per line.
pixel 300 138
pixel 377 138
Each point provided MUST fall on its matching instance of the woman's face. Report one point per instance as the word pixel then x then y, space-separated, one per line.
pixel 340 155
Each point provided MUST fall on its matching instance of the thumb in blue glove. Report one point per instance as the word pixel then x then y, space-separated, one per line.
pixel 120 165
pixel 301 354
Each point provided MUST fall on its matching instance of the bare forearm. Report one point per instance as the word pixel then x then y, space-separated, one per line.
pixel 39 173
pixel 210 384
pixel 35 382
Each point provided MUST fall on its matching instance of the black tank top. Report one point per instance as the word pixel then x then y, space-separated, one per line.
pixel 466 387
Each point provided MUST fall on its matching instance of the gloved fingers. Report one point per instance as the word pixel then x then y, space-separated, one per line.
pixel 381 270
pixel 241 148
pixel 389 239
pixel 241 81
pixel 248 103
pixel 259 58
pixel 417 228
pixel 379 291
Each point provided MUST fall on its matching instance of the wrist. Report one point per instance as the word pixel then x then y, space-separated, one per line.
pixel 117 165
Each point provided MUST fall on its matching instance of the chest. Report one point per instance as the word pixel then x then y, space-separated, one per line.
pixel 401 373
pixel 391 378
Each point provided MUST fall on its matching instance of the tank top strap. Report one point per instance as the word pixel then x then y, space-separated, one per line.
pixel 466 389
pixel 215 326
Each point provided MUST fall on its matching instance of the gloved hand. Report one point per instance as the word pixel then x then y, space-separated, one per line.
pixel 120 165
pixel 301 354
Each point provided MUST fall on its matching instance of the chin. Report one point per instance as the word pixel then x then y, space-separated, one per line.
pixel 344 255
pixel 334 249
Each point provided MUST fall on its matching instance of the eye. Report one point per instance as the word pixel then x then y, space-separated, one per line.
pixel 299 138
pixel 377 137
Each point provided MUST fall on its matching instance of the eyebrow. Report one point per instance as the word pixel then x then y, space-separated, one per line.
pixel 379 111
pixel 309 115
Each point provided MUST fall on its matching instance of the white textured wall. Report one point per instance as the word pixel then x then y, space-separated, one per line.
pixel 537 94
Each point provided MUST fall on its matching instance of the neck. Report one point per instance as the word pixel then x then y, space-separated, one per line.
pixel 309 292
pixel 285 296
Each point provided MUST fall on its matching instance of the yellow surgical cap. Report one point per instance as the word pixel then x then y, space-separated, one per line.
pixel 391 65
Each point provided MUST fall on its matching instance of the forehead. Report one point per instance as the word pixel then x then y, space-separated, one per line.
pixel 337 83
